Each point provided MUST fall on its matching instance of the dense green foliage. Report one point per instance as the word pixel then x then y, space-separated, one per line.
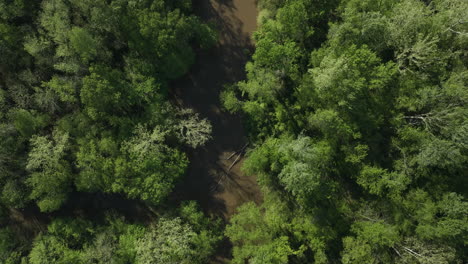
pixel 184 235
pixel 84 98
pixel 362 138
pixel 84 108
pixel 176 238
pixel 357 110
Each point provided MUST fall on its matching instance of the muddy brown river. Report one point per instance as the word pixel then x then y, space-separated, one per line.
pixel 219 188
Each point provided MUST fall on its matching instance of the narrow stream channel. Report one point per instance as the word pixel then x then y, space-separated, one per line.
pixel 219 188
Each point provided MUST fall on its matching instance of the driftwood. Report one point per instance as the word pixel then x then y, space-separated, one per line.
pixel 235 161
pixel 243 148
pixel 232 155
pixel 235 152
pixel 238 156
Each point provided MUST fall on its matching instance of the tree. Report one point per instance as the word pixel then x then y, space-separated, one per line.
pixel 14 193
pixel 170 241
pixel 208 231
pixel 229 100
pixel 148 169
pixel 65 88
pixel 50 173
pixel 103 250
pixel 371 243
pixel 105 94
pixel 381 182
pixel 253 240
pixel 7 245
pixel 96 162
pixel 27 122
pixel 83 43
pixel 305 168
pixel 191 129
pixel 50 249
pixel 417 251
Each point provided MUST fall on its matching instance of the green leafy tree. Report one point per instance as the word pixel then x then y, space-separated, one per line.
pixel 167 242
pixel 254 241
pixel 370 244
pixel 305 169
pixel 148 169
pixel 27 122
pixel 191 129
pixel 105 94
pixel 50 172
pixel 96 161
pixel 14 192
pixel 50 249
pixel 83 43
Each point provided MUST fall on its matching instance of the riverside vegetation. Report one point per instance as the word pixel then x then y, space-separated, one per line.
pixel 356 113
pixel 84 108
pixel 359 113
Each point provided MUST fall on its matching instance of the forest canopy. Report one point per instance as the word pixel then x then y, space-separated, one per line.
pixel 359 114
pixel 84 98
pixel 356 114
pixel 85 108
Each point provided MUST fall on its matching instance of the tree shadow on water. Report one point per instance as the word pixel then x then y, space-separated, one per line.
pixel 218 188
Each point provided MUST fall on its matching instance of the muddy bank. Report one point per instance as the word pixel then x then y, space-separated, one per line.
pixel 219 188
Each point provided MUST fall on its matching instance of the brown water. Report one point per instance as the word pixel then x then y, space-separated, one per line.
pixel 209 180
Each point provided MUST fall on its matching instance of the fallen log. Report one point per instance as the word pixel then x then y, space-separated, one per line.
pixel 234 153
pixel 235 161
